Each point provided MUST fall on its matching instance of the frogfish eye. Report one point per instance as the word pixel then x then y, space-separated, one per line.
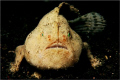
pixel 69 34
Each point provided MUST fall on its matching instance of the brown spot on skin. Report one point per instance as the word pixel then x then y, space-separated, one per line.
pixel 49 37
pixel 64 38
pixel 28 36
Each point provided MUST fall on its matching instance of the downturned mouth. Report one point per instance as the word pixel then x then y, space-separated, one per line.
pixel 57 45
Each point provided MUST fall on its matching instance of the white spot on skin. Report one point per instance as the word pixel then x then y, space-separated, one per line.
pixel 40 54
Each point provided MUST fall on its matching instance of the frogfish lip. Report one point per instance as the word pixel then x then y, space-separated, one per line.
pixel 56 45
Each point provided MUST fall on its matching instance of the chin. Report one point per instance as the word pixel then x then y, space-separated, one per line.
pixel 57 58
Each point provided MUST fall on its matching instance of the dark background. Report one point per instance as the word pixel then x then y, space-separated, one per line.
pixel 18 19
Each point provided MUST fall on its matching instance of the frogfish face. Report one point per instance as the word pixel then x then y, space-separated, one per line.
pixel 57 45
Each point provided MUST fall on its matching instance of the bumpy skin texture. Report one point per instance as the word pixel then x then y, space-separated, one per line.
pixel 52 45
pixel 40 48
pixel 53 29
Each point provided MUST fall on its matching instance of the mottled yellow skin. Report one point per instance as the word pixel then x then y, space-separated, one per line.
pixel 53 29
pixel 57 27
